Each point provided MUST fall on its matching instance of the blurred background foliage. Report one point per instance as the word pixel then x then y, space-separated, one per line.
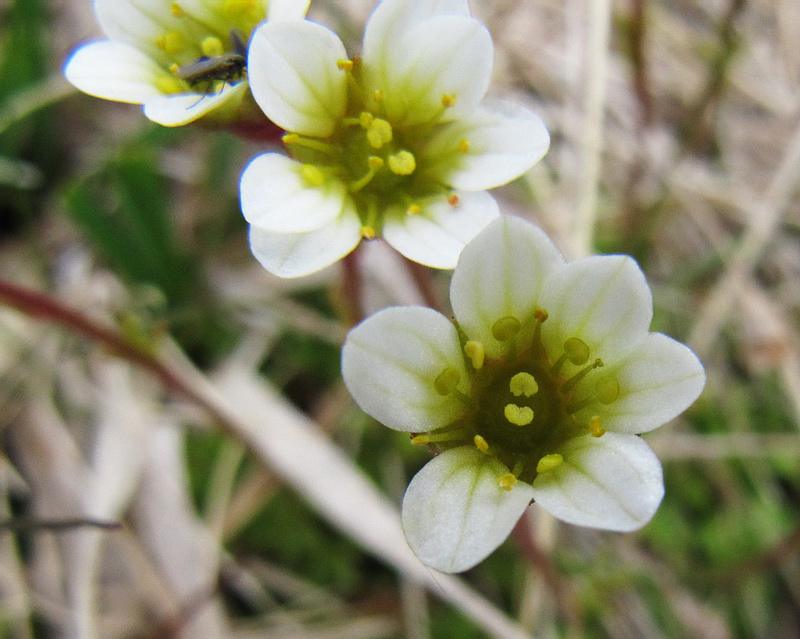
pixel 138 226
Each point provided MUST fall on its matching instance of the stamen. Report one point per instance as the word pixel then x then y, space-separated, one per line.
pixel 481 444
pixel 506 328
pixel 378 96
pixel 311 175
pixel 414 209
pixel 176 10
pixel 374 162
pixel 596 426
pixel 577 377
pixel 608 390
pixel 476 353
pixel 379 133
pixel 368 233
pixel 169 85
pixel 448 99
pixel 212 47
pixel 432 438
pixel 549 462
pixel 453 200
pixel 507 481
pixel 311 143
pixel 447 381
pixel 577 351
pixel 518 415
pixel 402 163
pixel 365 119
pixel 463 146
pixel 523 384
pixel 172 42
pixel 345 65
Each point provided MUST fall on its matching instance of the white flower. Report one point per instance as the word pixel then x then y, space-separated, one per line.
pixel 398 142
pixel 535 391
pixel 180 59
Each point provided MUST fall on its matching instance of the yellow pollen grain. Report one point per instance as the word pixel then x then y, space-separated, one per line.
pixel 379 133
pixel 507 481
pixel 463 146
pixel 212 47
pixel 171 42
pixel 481 444
pixel 368 233
pixel 177 10
pixel 523 384
pixel 518 415
pixel 596 426
pixel 375 162
pixel 453 200
pixel 549 462
pixel 414 209
pixel 476 353
pixel 420 440
pixel 311 175
pixel 402 163
pixel 169 85
pixel 345 65
pixel 448 100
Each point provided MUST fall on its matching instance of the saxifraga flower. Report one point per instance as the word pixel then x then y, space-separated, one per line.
pixel 536 390
pixel 397 142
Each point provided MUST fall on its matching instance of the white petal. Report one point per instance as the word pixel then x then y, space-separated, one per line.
pixel 454 511
pixel 603 300
pixel 392 18
pixel 287 9
pixel 114 71
pixel 276 198
pixel 658 381
pixel 437 235
pixel 183 108
pixel 502 273
pixel 390 363
pixel 298 254
pixel 294 78
pixel 140 24
pixel 443 56
pixel 612 482
pixel 505 140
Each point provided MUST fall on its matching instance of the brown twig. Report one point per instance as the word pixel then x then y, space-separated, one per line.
pixel 352 288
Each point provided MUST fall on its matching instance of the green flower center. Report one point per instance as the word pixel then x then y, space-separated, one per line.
pixel 374 157
pixel 524 406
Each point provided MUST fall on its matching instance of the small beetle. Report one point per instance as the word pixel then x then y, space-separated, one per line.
pixel 227 68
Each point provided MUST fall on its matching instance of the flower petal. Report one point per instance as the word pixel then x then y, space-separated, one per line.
pixel 454 511
pixel 603 300
pixel 183 108
pixel 114 71
pixel 612 482
pixel 504 140
pixel 298 254
pixel 501 273
pixel 658 381
pixel 287 9
pixel 437 235
pixel 390 363
pixel 275 196
pixel 444 56
pixel 294 77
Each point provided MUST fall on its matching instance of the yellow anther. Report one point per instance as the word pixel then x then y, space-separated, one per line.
pixel 378 95
pixel 540 315
pixel 481 444
pixel 290 138
pixel 549 462
pixel 596 426
pixel 505 328
pixel 174 68
pixel 453 200
pixel 414 209
pixel 463 145
pixel 518 415
pixel 375 162
pixel 608 390
pixel 447 381
pixel 379 133
pixel 577 351
pixel 177 10
pixel 523 384
pixel 476 353
pixel 345 65
pixel 171 42
pixel 212 47
pixel 507 481
pixel 402 163
pixel 448 99
pixel 368 233
pixel 311 175
pixel 420 440
pixel 169 85
pixel 365 118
